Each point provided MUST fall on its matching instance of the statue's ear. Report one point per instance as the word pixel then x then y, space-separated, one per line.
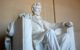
pixel 32 8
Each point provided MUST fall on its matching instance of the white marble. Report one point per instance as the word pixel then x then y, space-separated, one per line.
pixel 59 36
pixel 11 29
pixel 7 43
pixel 27 33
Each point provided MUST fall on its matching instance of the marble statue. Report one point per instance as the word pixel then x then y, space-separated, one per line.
pixel 38 24
pixel 44 35
pixel 39 34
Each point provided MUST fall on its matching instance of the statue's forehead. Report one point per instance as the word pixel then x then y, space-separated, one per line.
pixel 36 5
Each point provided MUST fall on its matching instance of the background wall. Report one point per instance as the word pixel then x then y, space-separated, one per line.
pixel 65 10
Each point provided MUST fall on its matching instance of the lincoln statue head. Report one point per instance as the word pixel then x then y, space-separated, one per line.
pixel 36 8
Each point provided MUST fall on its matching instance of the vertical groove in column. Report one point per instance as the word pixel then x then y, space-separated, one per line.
pixel 54 11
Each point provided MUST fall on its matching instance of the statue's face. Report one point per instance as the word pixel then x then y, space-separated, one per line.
pixel 36 9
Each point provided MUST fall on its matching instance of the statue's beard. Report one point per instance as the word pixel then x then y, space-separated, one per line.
pixel 37 13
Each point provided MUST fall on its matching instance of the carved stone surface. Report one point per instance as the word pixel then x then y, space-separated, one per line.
pixel 7 43
pixel 39 28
